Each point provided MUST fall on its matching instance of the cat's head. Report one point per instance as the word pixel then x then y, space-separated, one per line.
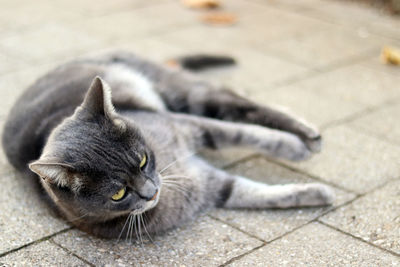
pixel 96 164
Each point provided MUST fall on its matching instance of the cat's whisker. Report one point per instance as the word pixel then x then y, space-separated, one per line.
pixel 136 231
pixel 175 188
pixel 139 228
pixel 129 227
pixel 175 161
pixel 129 234
pixel 175 177
pixel 177 184
pixel 144 226
pixel 120 234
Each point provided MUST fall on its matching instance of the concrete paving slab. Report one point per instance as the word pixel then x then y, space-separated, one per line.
pixel 49 42
pixel 256 24
pixel 270 224
pixel 13 84
pixel 375 217
pixel 321 48
pixel 383 123
pixel 41 254
pixel 353 160
pixel 137 23
pixel 11 63
pixel 356 15
pixel 357 84
pixel 204 242
pixel 375 63
pixel 24 217
pixel 299 6
pixel 101 8
pixel 307 103
pixel 20 16
pixel 317 245
pixel 5 167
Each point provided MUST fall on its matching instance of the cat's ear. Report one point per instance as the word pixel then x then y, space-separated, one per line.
pixel 53 172
pixel 98 98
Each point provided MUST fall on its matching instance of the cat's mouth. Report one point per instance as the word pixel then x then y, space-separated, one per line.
pixel 148 204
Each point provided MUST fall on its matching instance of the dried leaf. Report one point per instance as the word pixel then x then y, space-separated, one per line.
pixel 201 4
pixel 390 55
pixel 220 18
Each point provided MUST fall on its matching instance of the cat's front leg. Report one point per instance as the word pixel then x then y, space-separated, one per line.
pixel 215 134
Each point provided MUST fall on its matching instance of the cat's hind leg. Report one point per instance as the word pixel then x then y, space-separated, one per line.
pixel 240 192
pixel 250 194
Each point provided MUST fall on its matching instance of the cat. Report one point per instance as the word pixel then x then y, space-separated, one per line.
pixel 114 140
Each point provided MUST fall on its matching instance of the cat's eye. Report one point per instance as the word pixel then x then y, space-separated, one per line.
pixel 143 162
pixel 119 195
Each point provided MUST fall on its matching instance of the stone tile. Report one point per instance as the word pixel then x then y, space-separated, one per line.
pixel 13 84
pixel 10 62
pixel 357 84
pixel 41 254
pixel 383 123
pixel 317 245
pixel 256 25
pixel 297 6
pixel 356 15
pixel 88 9
pixel 205 242
pixel 374 217
pixel 24 216
pixel 376 64
pixel 308 103
pixel 325 47
pixel 20 15
pixel 49 42
pixel 353 160
pixel 270 224
pixel 137 23
pixel 5 167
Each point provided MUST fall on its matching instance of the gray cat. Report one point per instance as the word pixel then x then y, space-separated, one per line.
pixel 105 167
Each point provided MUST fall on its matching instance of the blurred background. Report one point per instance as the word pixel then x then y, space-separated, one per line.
pixel 323 59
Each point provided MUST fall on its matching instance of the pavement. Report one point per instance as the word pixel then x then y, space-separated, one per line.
pixel 319 58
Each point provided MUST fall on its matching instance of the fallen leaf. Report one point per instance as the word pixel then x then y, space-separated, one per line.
pixel 219 18
pixel 201 4
pixel 390 55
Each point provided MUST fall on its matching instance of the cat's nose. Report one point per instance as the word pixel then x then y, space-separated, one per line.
pixel 149 198
pixel 147 191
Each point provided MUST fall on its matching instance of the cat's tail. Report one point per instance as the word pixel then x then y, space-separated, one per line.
pixel 201 62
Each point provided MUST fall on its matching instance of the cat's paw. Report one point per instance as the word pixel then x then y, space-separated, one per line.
pixel 291 147
pixel 313 140
pixel 316 194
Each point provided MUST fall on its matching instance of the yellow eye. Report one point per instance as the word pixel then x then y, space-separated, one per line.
pixel 119 195
pixel 143 162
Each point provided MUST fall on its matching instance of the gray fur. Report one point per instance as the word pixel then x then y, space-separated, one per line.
pixel 85 150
